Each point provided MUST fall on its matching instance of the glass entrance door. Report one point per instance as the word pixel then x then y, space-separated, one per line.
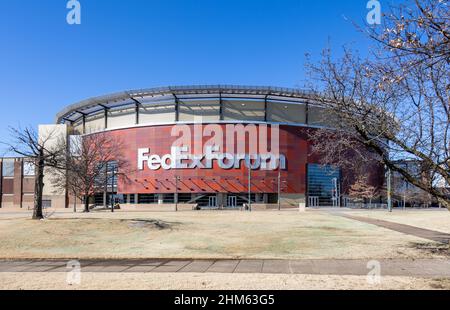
pixel 212 202
pixel 232 201
pixel 314 202
pixel 324 184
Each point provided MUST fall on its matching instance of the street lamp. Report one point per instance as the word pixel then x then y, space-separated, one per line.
pixel 112 187
pixel 250 185
pixel 389 189
pixel 336 193
pixel 279 189
pixel 177 178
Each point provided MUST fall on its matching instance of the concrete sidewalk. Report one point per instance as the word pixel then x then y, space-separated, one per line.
pixel 396 267
pixel 402 228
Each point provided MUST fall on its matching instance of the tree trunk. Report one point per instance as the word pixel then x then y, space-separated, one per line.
pixel 37 212
pixel 74 202
pixel 445 204
pixel 86 203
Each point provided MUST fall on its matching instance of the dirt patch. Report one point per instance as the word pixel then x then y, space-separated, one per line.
pixel 433 248
pixel 440 284
pixel 148 224
pixel 194 281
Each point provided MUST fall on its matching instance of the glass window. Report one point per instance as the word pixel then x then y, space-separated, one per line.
pixel 323 181
pixel 8 168
pixel 131 198
pixel 29 169
pixel 147 198
pixel 75 145
pixel 110 178
pixel 184 198
pixel 169 198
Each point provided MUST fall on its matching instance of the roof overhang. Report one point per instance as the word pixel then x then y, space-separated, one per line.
pixel 132 97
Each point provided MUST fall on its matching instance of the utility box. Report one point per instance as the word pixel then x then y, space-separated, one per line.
pixel 302 207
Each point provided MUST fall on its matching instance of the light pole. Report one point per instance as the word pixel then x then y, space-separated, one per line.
pixel 112 188
pixel 279 190
pixel 250 185
pixel 388 180
pixel 105 189
pixel 176 193
pixel 336 193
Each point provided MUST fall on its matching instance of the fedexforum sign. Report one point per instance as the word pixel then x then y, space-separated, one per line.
pixel 181 158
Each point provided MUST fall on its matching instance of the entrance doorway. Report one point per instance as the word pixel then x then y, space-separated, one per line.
pixel 324 186
pixel 232 202
pixel 314 202
pixel 212 202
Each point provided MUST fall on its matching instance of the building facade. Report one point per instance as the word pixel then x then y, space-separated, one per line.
pixel 268 161
pixel 17 178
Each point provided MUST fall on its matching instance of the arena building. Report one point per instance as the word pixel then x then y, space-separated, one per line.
pixel 164 175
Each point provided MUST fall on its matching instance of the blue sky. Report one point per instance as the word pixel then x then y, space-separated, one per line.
pixel 46 64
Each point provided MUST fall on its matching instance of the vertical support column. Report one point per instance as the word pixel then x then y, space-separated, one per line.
pixel 221 107
pixel 160 199
pixel 84 124
pixel 18 183
pixel 221 203
pixel 106 118
pixel 266 108
pixel 136 199
pixel 83 119
pixel 177 109
pixel 138 109
pixel 307 113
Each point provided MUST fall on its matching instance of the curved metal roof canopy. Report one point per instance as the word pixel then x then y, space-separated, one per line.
pixel 133 97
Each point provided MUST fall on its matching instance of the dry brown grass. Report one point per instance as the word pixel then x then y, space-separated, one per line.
pixel 172 281
pixel 276 235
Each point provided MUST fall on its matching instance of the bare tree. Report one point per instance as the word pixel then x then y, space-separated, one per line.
pixel 361 189
pixel 86 165
pixel 395 103
pixel 44 154
pixel 413 196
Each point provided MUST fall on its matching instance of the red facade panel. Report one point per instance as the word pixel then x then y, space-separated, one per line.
pixel 18 173
pixel 293 145
pixel 8 186
pixel 28 185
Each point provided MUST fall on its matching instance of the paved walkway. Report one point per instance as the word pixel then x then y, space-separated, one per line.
pixel 402 228
pixel 396 267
